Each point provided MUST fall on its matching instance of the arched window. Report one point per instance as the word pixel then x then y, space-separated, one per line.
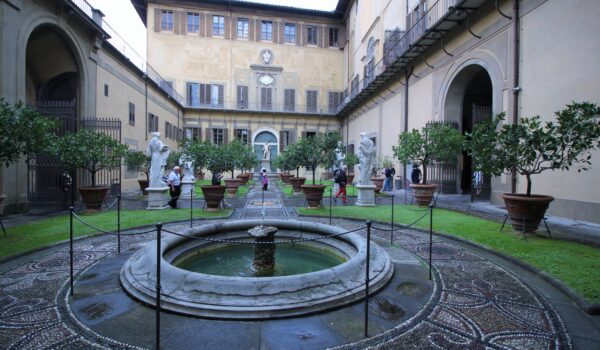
pixel 369 72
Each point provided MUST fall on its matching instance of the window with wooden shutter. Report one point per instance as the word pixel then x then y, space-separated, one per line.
pixel 289 100
pixel 266 98
pixel 157 19
pixel 333 37
pixel 156 123
pixel 167 130
pixel 218 137
pixel 311 101
pixel 275 29
pixel 150 122
pixel 242 97
pixel 193 134
pixel 131 114
pixel 334 100
pixel 193 22
pixel 166 24
pixel 205 95
pixel 218 98
pixel 311 35
pixel 193 94
pixel 289 33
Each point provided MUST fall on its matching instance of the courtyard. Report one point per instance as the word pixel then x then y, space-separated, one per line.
pixel 475 298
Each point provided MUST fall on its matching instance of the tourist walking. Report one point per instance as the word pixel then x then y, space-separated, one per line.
pixel 389 177
pixel 265 179
pixel 174 182
pixel 340 179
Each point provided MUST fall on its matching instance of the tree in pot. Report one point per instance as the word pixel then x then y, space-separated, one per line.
pixel 437 142
pixel 282 162
pixel 23 131
pixel 215 162
pixel 248 161
pixel 531 147
pixel 139 162
pixel 199 152
pixel 318 150
pixel 91 151
pixel 233 153
pixel 294 159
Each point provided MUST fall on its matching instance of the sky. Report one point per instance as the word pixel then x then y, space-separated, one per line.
pixel 122 18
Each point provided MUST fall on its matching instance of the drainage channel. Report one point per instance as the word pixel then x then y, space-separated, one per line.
pixel 273 205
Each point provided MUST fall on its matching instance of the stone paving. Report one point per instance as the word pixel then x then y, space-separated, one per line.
pixel 479 301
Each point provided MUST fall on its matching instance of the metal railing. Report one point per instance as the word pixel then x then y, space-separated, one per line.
pixel 262 107
pixel 400 45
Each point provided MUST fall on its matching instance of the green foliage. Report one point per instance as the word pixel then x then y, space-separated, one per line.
pixel 531 147
pixel 216 161
pixel 386 162
pixel 248 159
pixel 173 159
pixel 293 156
pixel 351 160
pixel 138 161
pixel 89 150
pixel 318 150
pixel 198 151
pixel 436 142
pixel 233 153
pixel 282 161
pixel 23 131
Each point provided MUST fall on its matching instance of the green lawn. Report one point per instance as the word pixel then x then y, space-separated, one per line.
pixel 241 192
pixel 40 233
pixel 576 265
pixel 288 189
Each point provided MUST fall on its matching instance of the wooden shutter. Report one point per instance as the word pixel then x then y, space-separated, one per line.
pixel 225 136
pixel 258 29
pixel 320 41
pixel 221 97
pixel 289 100
pixel 157 19
pixel 275 31
pixel 281 32
pixel 209 135
pixel 155 123
pixel 281 142
pixel 331 101
pixel 176 22
pixel 251 31
pixel 209 25
pixel 203 94
pixel 242 97
pixel 184 18
pixel 227 27
pixel 234 29
pixel 303 35
pixel 201 24
pixel 188 89
pixel 342 37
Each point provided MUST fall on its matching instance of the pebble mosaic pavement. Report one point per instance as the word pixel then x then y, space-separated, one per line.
pixel 476 303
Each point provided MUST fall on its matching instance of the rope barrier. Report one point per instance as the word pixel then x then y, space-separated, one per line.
pixel 107 232
pixel 293 241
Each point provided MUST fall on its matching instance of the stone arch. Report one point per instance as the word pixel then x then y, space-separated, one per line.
pixel 258 141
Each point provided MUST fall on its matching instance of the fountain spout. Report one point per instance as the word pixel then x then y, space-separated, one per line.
pixel 264 250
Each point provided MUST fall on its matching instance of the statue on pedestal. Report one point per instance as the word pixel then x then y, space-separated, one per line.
pixel 159 153
pixel 339 157
pixel 187 165
pixel 366 155
pixel 266 151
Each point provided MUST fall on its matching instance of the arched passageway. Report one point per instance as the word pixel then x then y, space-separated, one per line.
pixel 469 101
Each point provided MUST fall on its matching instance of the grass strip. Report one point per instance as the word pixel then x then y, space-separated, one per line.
pixel 576 265
pixel 241 191
pixel 25 237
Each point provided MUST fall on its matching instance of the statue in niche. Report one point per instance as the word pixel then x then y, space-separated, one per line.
pixel 366 156
pixel 158 153
pixel 266 151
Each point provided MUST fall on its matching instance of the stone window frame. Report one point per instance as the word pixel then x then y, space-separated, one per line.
pixel 131 114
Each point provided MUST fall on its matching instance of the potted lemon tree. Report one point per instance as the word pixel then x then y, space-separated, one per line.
pixel 436 142
pixel 318 150
pixel 532 147
pixel 139 162
pixel 215 162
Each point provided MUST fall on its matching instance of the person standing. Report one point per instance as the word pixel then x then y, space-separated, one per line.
pixel 415 176
pixel 341 179
pixel 174 182
pixel 265 179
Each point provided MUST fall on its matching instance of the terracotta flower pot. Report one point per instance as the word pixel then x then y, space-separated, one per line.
pixel 526 212
pixel 244 178
pixel 378 182
pixel 314 195
pixel 93 196
pixel 143 186
pixel 423 193
pixel 232 186
pixel 297 183
pixel 286 177
pixel 213 196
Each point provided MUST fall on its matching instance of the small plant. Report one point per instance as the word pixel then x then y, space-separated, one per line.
pixel 248 160
pixel 436 142
pixel 172 160
pixel 139 162
pixel 89 150
pixel 531 147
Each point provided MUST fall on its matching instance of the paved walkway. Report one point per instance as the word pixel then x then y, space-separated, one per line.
pixel 477 300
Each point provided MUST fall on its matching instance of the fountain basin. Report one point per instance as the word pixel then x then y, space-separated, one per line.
pixel 205 295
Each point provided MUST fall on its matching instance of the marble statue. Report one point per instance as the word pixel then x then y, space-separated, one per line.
pixel 187 165
pixel 366 156
pixel 266 151
pixel 159 153
pixel 339 157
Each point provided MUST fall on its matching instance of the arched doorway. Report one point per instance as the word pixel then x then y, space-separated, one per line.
pixel 53 88
pixel 266 148
pixel 469 101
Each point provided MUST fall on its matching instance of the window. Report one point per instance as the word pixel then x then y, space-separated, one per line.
pixel 167 130
pixel 311 101
pixel 193 22
pixel 266 30
pixel 242 135
pixel 286 139
pixel 289 33
pixel 106 90
pixel 266 98
pixel 309 134
pixel 311 35
pixel 333 37
pixel 131 114
pixel 193 134
pixel 193 96
pixel 218 25
pixel 218 137
pixel 334 100
pixel 242 97
pixel 166 23
pixel 212 95
pixel 369 70
pixel 354 84
pixel 289 100
pixel 152 122
pixel 242 28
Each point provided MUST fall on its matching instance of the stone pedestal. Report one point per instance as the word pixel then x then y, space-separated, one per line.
pixel 366 195
pixel 186 187
pixel 158 197
pixel 266 164
pixel 264 254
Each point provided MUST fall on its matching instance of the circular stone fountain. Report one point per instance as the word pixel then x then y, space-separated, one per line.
pixel 209 295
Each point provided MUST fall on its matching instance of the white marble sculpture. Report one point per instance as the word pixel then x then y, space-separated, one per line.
pixel 366 155
pixel 339 157
pixel 266 152
pixel 187 165
pixel 159 153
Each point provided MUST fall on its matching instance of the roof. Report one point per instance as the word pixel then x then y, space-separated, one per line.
pixel 142 5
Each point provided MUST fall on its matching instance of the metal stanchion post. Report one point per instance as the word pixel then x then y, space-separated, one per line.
pixel 157 324
pixel 330 199
pixel 430 238
pixel 191 207
pixel 119 223
pixel 392 231
pixel 367 278
pixel 71 247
